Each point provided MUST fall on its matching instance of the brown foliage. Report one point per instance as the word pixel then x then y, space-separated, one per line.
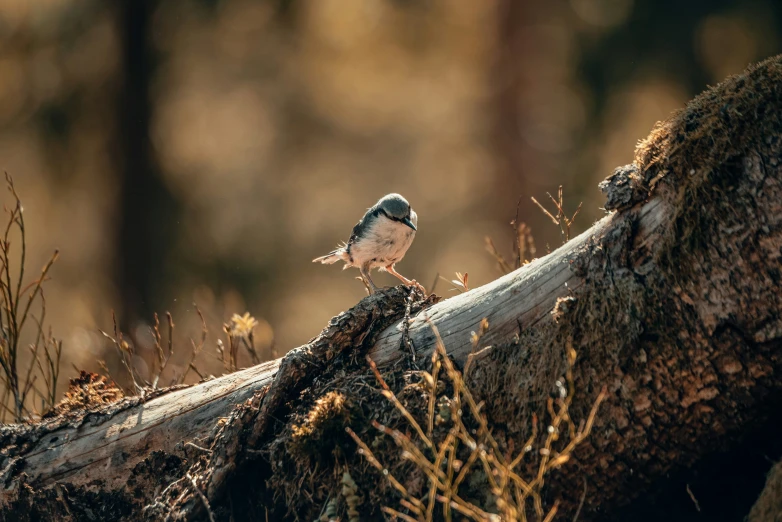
pixel 88 391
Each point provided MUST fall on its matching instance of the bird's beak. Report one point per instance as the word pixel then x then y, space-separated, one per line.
pixel 409 223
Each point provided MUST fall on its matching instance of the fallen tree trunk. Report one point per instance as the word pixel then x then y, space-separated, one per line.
pixel 768 507
pixel 672 303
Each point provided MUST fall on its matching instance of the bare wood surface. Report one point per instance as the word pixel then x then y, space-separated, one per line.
pixel 85 453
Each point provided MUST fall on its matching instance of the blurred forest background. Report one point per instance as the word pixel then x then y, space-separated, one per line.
pixel 204 151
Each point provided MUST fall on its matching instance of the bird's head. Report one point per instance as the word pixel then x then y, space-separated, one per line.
pixel 396 208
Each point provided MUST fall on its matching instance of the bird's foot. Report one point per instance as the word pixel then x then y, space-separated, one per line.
pixel 366 285
pixel 369 285
pixel 405 281
pixel 416 284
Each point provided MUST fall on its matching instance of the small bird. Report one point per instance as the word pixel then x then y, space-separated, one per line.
pixel 379 240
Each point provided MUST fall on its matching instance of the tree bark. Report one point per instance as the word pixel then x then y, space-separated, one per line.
pixel 671 302
pixel 768 508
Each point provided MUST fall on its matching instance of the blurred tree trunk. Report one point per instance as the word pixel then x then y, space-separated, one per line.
pixel 508 81
pixel 147 210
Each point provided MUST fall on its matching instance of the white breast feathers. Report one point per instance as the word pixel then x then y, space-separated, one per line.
pixel 384 243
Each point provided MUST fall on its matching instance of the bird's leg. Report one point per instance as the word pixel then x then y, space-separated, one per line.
pixel 368 280
pixel 364 282
pixel 390 270
pixel 406 281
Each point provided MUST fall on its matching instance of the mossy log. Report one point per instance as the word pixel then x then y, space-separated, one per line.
pixel 672 303
pixel 768 507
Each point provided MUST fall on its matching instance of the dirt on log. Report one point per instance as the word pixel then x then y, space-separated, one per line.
pixel 671 303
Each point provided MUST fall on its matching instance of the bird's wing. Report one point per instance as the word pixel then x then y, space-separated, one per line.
pixel 363 224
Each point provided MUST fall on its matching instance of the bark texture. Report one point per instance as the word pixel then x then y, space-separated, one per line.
pixel 672 303
pixel 768 508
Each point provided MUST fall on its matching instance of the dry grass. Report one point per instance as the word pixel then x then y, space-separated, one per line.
pixel 239 333
pixel 30 391
pixel 560 218
pixel 523 248
pixel 126 353
pixel 515 497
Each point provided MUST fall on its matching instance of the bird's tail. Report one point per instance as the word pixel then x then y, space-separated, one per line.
pixel 340 254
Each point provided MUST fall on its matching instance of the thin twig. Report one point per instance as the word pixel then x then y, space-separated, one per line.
pixel 195 348
pixel 434 283
pixel 203 497
pixel 199 448
pixel 581 502
pixel 694 500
